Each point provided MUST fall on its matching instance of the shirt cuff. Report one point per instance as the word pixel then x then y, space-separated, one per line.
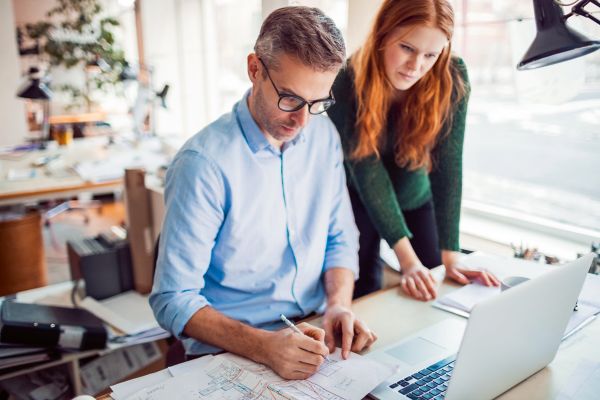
pixel 174 310
pixel 342 261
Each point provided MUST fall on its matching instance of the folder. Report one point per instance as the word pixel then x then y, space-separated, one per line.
pixel 15 355
pixel 49 326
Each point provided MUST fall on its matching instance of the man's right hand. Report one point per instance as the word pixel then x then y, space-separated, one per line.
pixel 295 356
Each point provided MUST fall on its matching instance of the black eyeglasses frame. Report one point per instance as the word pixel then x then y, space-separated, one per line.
pixel 326 103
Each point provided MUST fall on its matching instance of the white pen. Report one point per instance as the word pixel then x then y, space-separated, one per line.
pixel 293 327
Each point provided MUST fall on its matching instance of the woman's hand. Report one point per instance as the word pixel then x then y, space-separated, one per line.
pixel 417 282
pixel 464 275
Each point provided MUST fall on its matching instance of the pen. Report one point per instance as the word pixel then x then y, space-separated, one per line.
pixel 293 327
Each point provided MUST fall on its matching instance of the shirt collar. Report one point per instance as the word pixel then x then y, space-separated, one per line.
pixel 254 136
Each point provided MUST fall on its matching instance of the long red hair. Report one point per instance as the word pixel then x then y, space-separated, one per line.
pixel 427 104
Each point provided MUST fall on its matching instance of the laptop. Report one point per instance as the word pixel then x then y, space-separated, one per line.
pixel 506 339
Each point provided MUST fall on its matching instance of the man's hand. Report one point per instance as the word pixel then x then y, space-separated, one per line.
pixel 355 333
pixel 295 356
pixel 417 282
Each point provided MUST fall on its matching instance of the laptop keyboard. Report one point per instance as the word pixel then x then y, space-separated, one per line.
pixel 429 383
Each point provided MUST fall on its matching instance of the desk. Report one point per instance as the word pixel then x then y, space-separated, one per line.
pixel 59 179
pixel 385 310
pixel 84 118
pixel 392 315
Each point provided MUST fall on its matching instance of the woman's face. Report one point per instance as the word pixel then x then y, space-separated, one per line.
pixel 410 52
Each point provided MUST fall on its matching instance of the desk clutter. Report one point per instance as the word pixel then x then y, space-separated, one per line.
pixel 227 376
pixel 104 264
pixel 95 325
pixel 49 326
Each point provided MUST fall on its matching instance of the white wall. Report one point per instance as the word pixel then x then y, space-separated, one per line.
pixel 12 110
pixel 360 18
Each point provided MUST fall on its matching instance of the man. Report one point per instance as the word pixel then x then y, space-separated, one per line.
pixel 258 221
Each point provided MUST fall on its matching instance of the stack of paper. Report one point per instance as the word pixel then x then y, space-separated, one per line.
pixel 15 355
pixel 228 376
pixel 130 314
pixel 462 301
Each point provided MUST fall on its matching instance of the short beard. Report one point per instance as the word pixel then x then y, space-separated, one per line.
pixel 263 118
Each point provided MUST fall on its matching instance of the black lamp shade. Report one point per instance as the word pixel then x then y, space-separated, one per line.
pixel 127 73
pixel 36 90
pixel 555 41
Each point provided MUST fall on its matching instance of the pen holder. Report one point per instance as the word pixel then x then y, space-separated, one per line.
pixel 63 135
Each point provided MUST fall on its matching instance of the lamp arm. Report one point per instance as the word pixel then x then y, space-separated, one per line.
pixel 579 9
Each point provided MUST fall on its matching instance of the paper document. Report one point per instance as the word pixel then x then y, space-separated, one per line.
pixel 465 298
pixel 229 377
pixel 338 379
pixel 17 174
pixel 126 389
pixel 128 312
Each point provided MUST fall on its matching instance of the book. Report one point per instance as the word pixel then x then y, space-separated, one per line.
pixel 49 326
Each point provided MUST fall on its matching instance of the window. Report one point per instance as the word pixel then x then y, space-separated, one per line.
pixel 235 34
pixel 533 137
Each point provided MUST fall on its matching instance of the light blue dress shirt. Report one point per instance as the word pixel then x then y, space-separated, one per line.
pixel 249 229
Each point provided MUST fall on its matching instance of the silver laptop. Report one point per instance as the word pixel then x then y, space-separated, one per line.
pixel 507 338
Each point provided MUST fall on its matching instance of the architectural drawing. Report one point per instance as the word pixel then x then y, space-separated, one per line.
pixel 329 367
pixel 229 377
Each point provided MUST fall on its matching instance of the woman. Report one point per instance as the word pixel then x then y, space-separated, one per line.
pixel 401 105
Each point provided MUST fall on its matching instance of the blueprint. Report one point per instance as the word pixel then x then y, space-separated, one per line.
pixel 229 377
pixel 221 379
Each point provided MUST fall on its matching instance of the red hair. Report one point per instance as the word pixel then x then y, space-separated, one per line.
pixel 427 104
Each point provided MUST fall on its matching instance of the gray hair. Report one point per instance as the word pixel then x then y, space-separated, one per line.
pixel 304 32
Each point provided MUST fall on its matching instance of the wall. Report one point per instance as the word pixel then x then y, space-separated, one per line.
pixel 12 110
pixel 360 18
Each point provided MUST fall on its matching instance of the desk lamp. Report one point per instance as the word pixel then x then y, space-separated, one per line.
pixel 555 41
pixel 146 95
pixel 35 89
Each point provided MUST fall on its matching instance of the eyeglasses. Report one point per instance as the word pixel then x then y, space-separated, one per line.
pixel 290 102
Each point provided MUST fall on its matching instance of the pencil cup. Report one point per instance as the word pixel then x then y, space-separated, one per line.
pixel 512 281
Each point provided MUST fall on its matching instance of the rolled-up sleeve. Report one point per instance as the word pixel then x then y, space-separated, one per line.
pixel 194 200
pixel 342 237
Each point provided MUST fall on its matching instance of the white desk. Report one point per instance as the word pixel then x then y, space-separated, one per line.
pixel 392 315
pixel 60 180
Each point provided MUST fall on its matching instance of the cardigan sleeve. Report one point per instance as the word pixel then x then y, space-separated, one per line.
pixel 368 176
pixel 446 174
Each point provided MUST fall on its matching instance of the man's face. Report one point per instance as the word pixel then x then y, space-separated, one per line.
pixel 291 77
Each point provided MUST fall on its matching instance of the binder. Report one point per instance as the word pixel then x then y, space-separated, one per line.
pixel 12 356
pixel 49 326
